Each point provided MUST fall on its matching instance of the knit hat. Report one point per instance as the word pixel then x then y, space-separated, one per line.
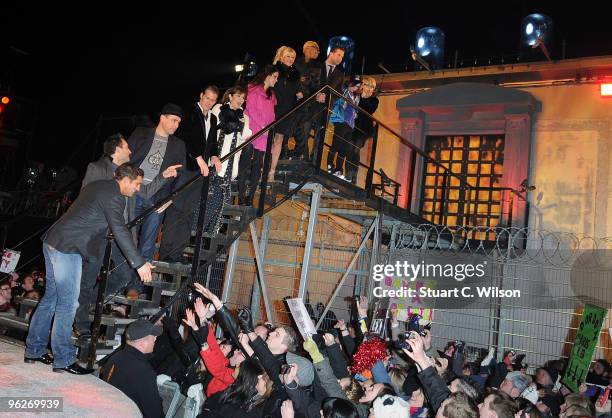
pixel 389 406
pixel 519 380
pixel 305 372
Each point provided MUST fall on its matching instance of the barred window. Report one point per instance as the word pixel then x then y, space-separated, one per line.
pixel 479 158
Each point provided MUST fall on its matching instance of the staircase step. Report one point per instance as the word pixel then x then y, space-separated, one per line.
pixel 237 210
pixel 14 321
pixel 138 303
pixel 113 320
pixel 170 268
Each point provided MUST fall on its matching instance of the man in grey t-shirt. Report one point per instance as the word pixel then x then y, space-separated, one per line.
pixel 154 150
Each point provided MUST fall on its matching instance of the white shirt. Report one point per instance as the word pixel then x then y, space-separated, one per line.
pixel 206 121
pixel 330 68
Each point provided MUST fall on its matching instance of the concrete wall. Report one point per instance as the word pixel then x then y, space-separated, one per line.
pixel 570 162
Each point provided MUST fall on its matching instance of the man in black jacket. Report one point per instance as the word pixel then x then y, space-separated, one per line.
pixel 154 150
pixel 129 369
pixel 116 152
pixel 310 75
pixel 333 76
pixel 199 131
pixel 80 234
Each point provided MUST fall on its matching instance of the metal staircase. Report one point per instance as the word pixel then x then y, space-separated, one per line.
pixel 376 196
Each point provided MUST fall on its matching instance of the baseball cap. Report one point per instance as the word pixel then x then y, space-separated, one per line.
pixel 142 328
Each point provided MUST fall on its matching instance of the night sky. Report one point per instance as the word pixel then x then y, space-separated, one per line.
pixel 81 61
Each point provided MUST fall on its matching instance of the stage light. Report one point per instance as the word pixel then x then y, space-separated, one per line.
pixel 239 68
pixel 6 100
pixel 429 51
pixel 606 90
pixel 348 45
pixel 537 32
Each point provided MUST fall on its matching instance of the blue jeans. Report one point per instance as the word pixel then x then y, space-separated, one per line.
pixel 59 304
pixel 149 228
pixel 147 235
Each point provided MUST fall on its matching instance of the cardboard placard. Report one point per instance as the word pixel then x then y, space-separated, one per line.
pixel 10 258
pixel 584 346
pixel 302 319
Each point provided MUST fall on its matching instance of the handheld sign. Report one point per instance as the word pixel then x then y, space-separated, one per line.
pixel 302 319
pixel 584 346
pixel 10 258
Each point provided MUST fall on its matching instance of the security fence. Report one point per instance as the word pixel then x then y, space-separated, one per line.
pixel 556 274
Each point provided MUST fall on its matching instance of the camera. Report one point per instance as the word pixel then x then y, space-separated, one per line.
pixel 402 340
pixel 285 368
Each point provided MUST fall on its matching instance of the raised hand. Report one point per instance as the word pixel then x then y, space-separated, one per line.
pixel 329 339
pixel 200 309
pixel 362 306
pixel 418 350
pixel 190 320
pixel 287 409
pixel 209 295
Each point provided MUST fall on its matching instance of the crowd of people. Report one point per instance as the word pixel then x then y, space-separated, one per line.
pixel 262 370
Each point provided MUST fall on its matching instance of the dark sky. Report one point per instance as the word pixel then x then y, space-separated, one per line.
pixel 115 58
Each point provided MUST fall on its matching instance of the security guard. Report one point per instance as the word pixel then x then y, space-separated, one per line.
pixel 129 369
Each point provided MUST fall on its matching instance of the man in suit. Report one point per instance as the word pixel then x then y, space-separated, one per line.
pixel 332 75
pixel 80 233
pixel 199 131
pixel 116 152
pixel 154 150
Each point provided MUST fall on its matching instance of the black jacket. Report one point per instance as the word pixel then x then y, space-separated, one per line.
pixel 193 132
pixel 129 371
pixel 104 169
pixel 286 88
pixel 335 79
pixel 434 387
pixel 140 142
pixel 83 228
pixel 310 75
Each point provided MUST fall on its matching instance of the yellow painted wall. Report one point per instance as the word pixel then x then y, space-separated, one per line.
pixel 571 158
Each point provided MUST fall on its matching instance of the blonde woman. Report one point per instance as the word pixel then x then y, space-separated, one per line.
pixel 364 125
pixel 288 91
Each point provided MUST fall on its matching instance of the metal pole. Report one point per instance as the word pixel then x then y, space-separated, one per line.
pixel 375 249
pixel 315 200
pixel 260 274
pixel 348 270
pixel 229 271
pixel 100 301
pixel 263 245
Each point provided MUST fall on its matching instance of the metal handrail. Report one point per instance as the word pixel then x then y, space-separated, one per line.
pixel 403 140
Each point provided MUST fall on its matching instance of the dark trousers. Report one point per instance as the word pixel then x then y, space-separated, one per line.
pixel 249 170
pixel 180 217
pixel 120 276
pixel 341 145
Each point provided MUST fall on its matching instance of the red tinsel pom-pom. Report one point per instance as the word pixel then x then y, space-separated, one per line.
pixel 368 353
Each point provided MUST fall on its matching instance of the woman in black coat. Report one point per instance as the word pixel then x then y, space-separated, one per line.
pixel 364 125
pixel 288 92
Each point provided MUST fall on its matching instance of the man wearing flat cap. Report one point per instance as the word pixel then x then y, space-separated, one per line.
pixel 154 150
pixel 129 369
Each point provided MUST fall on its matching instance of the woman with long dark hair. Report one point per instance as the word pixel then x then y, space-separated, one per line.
pixel 260 110
pixel 244 398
